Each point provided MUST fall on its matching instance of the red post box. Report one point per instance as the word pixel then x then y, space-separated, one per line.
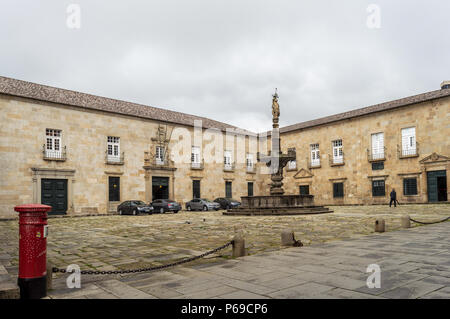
pixel 33 232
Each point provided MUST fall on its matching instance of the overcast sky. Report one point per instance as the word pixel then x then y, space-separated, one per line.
pixel 223 59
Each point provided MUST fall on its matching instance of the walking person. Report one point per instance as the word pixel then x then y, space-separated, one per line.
pixel 393 198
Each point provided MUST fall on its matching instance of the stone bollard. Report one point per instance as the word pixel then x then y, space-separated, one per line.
pixel 287 238
pixel 406 222
pixel 238 245
pixel 49 275
pixel 380 225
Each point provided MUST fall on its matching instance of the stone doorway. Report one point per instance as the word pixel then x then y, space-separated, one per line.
pixel 160 188
pixel 437 186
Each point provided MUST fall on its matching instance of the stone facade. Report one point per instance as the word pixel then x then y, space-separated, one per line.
pixel 84 136
pixel 432 133
pixel 27 111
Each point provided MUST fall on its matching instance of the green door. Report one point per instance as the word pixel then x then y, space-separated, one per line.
pixel 437 188
pixel 54 193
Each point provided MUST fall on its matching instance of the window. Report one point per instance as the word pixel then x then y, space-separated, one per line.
pixel 410 186
pixel 378 188
pixel 250 189
pixel 338 154
pixel 292 165
pixel 113 148
pixel 228 191
pixel 409 141
pixel 315 155
pixel 338 190
pixel 53 143
pixel 377 166
pixel 377 146
pixel 304 189
pixel 249 162
pixel 195 156
pixel 159 155
pixel 196 189
pixel 227 160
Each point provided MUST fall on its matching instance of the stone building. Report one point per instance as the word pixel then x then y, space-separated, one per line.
pixel 84 154
pixel 358 157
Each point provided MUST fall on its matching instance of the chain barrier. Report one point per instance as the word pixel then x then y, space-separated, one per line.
pixel 113 272
pixel 428 223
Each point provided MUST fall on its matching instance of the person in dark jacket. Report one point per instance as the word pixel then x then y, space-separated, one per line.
pixel 393 198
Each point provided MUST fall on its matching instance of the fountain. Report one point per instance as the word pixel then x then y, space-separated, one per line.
pixel 277 203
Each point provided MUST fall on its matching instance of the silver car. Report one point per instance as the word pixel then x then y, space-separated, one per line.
pixel 202 204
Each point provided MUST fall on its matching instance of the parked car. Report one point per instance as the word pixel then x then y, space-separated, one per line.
pixel 227 203
pixel 166 205
pixel 134 207
pixel 202 204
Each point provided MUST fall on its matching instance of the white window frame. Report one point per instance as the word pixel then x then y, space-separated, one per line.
pixel 338 154
pixel 228 159
pixel 159 155
pixel 195 156
pixel 292 164
pixel 315 154
pixel 377 145
pixel 113 148
pixel 53 139
pixel 409 146
pixel 249 162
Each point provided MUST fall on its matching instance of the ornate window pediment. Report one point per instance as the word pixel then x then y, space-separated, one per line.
pixel 303 173
pixel 434 158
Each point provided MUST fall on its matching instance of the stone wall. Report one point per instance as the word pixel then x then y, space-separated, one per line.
pixel 84 134
pixel 431 120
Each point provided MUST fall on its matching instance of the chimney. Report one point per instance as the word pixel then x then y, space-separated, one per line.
pixel 445 85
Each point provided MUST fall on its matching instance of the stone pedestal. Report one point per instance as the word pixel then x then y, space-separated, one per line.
pixel 406 222
pixel 380 226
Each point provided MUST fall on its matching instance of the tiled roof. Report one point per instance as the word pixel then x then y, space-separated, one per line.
pixel 368 110
pixel 40 92
pixel 66 97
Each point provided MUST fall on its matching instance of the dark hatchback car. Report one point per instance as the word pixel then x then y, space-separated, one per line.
pixel 165 205
pixel 134 207
pixel 227 203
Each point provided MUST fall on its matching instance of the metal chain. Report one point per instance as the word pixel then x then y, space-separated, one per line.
pixel 428 223
pixel 112 272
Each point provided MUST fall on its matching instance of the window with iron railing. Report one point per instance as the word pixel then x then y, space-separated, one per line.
pixel 195 158
pixel 159 155
pixel 52 147
pixel 292 165
pixel 409 143
pixel 113 149
pixel 377 150
pixel 338 154
pixel 228 161
pixel 249 163
pixel 378 188
pixel 410 186
pixel 315 155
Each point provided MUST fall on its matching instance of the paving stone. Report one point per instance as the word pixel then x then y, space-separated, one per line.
pixel 340 293
pixel 413 290
pixel 308 290
pixel 443 293
pixel 242 295
pixel 123 291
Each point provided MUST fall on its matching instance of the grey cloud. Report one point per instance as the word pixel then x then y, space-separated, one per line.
pixel 223 59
